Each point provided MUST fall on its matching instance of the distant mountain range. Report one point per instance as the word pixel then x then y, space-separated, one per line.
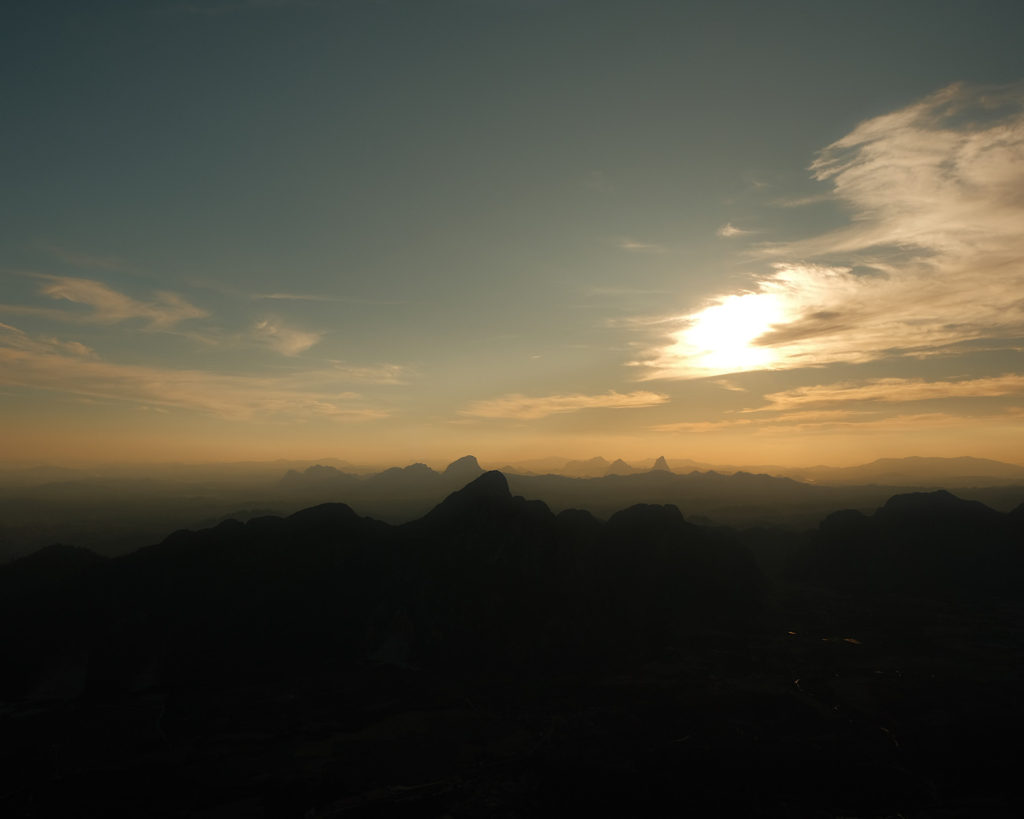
pixel 910 471
pixel 962 471
pixel 115 510
pixel 602 487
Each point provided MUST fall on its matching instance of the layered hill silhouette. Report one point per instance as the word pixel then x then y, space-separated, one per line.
pixel 91 507
pixel 919 543
pixel 493 657
pixel 484 578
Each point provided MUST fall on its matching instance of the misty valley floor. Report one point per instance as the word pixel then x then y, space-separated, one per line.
pixel 818 702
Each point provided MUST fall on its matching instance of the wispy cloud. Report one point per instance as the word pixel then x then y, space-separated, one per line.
pixel 893 390
pixel 71 368
pixel 291 297
pixel 320 297
pixel 845 420
pixel 108 306
pixel 933 256
pixel 728 230
pixel 529 408
pixel 286 340
pixel 804 201
pixel 640 247
pixel 374 374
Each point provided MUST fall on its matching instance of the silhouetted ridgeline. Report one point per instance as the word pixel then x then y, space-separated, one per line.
pixel 485 579
pixel 114 510
pixel 919 543
pixel 494 658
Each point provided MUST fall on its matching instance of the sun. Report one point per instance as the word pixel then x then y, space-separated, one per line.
pixel 720 338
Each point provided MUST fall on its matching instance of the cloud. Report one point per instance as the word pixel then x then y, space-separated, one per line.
pixel 847 420
pixel 285 340
pixel 933 256
pixel 529 408
pixel 322 298
pixel 110 307
pixel 71 368
pixel 803 201
pixel 728 230
pixel 375 374
pixel 640 247
pixel 894 390
pixel 292 297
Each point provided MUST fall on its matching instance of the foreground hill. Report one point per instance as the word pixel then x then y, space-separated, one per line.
pixel 495 658
pixel 919 543
pixel 482 572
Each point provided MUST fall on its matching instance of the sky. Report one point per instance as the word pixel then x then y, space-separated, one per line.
pixel 399 230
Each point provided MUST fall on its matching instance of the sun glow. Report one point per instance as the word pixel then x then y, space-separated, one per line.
pixel 721 338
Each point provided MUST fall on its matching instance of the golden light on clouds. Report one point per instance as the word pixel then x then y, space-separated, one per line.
pixel 525 407
pixel 933 257
pixel 722 338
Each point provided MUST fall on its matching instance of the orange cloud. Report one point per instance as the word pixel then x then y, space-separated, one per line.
pixel 530 408
pixel 894 390
pixel 109 306
pixel 72 368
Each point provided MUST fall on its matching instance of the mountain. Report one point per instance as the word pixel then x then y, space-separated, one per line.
pixel 590 468
pixel 463 470
pixel 483 577
pixel 318 477
pixel 918 543
pixel 619 467
pixel 915 471
pixel 660 465
pixel 491 654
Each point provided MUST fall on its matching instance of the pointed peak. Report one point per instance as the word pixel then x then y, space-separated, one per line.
pixel 619 467
pixel 660 465
pixel 483 495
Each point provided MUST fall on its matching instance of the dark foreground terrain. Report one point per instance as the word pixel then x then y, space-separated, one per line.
pixel 495 659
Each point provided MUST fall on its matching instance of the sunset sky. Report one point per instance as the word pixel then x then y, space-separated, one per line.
pixel 397 230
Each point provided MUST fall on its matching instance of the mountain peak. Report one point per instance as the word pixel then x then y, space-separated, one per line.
pixel 619 467
pixel 489 485
pixel 467 467
pixel 660 465
pixel 485 496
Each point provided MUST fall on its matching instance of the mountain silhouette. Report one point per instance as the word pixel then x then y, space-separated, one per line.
pixel 660 465
pixel 922 543
pixel 484 577
pixel 463 469
pixel 619 467
pixel 492 653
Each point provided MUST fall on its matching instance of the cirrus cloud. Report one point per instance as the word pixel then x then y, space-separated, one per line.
pixel 109 306
pixel 530 408
pixel 72 368
pixel 894 390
